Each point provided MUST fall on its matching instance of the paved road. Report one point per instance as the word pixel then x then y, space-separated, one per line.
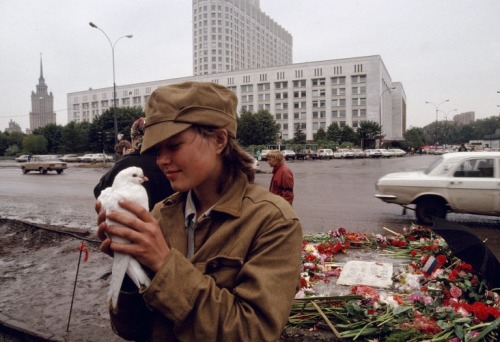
pixel 328 194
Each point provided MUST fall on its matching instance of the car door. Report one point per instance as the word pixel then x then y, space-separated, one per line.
pixel 474 186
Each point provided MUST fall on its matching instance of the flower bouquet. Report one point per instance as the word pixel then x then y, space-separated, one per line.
pixel 433 297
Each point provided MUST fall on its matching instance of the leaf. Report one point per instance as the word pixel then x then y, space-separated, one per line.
pixel 492 326
pixel 400 309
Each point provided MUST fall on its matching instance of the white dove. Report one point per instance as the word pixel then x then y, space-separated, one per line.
pixel 126 185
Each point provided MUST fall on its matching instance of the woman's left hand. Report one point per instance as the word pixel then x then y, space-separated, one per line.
pixel 147 243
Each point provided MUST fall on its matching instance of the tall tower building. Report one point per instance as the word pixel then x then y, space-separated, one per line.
pixel 232 35
pixel 42 104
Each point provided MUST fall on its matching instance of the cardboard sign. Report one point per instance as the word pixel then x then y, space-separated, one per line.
pixel 375 274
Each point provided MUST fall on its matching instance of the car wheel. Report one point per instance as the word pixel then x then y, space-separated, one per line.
pixel 24 170
pixel 59 172
pixel 427 208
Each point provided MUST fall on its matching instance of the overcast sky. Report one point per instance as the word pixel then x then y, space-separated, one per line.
pixel 438 49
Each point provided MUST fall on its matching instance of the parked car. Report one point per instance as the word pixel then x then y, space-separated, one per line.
pixel 359 153
pixel 397 152
pixel 348 154
pixel 306 154
pixel 373 153
pixel 263 154
pixel 95 157
pixel 22 158
pixel 325 153
pixel 69 158
pixel 385 153
pixel 337 155
pixel 256 164
pixel 460 182
pixel 288 154
pixel 43 163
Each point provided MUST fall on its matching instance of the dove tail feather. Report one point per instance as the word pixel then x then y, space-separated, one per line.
pixel 137 274
pixel 120 264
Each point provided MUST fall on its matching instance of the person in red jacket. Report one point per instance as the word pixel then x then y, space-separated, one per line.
pixel 282 181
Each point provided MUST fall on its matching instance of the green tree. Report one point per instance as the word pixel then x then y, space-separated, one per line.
pixel 101 133
pixel 367 132
pixel 320 135
pixel 348 135
pixel 333 133
pixel 35 144
pixel 75 137
pixel 257 129
pixel 415 137
pixel 52 133
pixel 299 137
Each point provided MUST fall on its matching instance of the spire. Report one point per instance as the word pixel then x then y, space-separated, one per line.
pixel 41 80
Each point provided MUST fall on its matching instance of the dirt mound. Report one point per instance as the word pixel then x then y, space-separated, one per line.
pixel 37 276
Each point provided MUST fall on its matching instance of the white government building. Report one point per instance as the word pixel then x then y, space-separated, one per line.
pixel 227 38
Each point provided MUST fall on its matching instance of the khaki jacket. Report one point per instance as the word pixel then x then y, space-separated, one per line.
pixel 239 284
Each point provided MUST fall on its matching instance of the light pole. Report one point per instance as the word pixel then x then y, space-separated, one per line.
pixel 115 123
pixel 380 110
pixel 437 110
pixel 446 124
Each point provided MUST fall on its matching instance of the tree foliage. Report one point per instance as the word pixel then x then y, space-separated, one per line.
pixel 256 128
pixel 299 137
pixel 35 144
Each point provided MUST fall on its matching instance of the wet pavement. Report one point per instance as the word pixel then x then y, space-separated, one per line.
pixel 328 194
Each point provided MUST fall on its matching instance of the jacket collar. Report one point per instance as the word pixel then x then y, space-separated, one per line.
pixel 230 203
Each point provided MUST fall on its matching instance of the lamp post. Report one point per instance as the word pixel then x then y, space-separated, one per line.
pixel 437 110
pixel 446 124
pixel 115 123
pixel 380 110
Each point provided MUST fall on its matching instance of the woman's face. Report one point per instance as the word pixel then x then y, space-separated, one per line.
pixel 190 160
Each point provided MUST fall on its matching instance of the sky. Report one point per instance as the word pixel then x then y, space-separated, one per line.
pixel 438 49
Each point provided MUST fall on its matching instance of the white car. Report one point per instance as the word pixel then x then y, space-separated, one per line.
pixel 385 153
pixel 461 182
pixel 325 153
pixel 397 152
pixel 359 153
pixel 95 157
pixel 288 154
pixel 263 154
pixel 373 153
pixel 347 153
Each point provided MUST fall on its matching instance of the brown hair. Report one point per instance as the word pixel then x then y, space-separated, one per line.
pixel 234 159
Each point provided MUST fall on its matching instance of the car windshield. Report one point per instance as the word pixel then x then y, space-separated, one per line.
pixel 434 165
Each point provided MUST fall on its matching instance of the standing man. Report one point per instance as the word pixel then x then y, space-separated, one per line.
pixel 282 181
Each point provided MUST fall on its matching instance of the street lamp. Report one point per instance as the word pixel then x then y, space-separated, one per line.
pixel 380 110
pixel 437 110
pixel 114 83
pixel 446 124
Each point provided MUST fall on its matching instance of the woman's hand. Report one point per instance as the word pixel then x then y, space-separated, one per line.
pixel 147 243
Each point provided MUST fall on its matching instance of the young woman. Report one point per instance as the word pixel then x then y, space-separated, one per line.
pixel 224 253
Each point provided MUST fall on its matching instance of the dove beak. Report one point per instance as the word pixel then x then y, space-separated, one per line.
pixel 144 179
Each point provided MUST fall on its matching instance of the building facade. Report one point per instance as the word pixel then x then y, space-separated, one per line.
pixel 308 95
pixel 231 35
pixel 42 104
pixel 465 118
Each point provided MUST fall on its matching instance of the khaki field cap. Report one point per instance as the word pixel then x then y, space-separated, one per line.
pixel 174 108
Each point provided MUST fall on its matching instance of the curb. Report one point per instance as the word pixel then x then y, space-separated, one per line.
pixel 19 329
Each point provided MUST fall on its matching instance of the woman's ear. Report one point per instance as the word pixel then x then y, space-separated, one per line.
pixel 221 139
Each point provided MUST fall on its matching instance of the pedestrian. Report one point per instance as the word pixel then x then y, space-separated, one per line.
pixel 282 180
pixel 123 147
pixel 462 148
pixel 223 253
pixel 158 187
